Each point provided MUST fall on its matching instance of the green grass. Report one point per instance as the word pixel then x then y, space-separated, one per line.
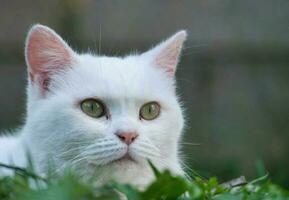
pixel 25 185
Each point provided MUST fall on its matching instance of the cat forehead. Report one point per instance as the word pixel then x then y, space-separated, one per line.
pixel 115 77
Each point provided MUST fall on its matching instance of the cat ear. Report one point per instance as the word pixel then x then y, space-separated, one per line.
pixel 46 53
pixel 166 54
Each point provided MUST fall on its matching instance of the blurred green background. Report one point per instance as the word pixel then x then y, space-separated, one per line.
pixel 233 77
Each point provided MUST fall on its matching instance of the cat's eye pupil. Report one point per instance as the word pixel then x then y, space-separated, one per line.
pixel 93 108
pixel 150 111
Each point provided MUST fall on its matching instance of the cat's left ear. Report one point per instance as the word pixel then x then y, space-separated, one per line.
pixel 46 54
pixel 166 54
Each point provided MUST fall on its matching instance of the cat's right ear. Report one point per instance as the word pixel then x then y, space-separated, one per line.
pixel 46 54
pixel 166 55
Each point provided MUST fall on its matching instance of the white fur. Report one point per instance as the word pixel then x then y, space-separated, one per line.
pixel 57 130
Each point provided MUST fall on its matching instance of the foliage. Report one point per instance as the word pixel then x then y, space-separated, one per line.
pixel 25 185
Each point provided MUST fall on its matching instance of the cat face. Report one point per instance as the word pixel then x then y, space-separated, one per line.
pixel 97 112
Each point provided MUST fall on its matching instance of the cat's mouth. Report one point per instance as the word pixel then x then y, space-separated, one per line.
pixel 126 158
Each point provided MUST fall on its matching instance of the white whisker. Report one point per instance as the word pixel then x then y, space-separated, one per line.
pixel 107 151
pixel 190 143
pixel 71 150
pixel 101 145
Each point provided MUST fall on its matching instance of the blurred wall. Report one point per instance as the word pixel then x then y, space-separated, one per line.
pixel 233 77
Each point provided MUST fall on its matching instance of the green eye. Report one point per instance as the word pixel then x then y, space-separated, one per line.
pixel 93 108
pixel 150 111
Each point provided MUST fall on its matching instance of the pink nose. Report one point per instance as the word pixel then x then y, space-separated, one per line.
pixel 127 137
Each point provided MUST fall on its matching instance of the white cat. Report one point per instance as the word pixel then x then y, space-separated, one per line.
pixel 102 116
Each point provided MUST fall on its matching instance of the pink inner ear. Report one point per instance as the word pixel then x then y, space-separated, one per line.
pixel 46 54
pixel 168 56
pixel 168 59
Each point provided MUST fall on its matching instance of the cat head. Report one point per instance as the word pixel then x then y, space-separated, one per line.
pixel 90 110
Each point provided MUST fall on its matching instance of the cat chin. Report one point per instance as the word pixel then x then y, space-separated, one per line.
pixel 126 172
